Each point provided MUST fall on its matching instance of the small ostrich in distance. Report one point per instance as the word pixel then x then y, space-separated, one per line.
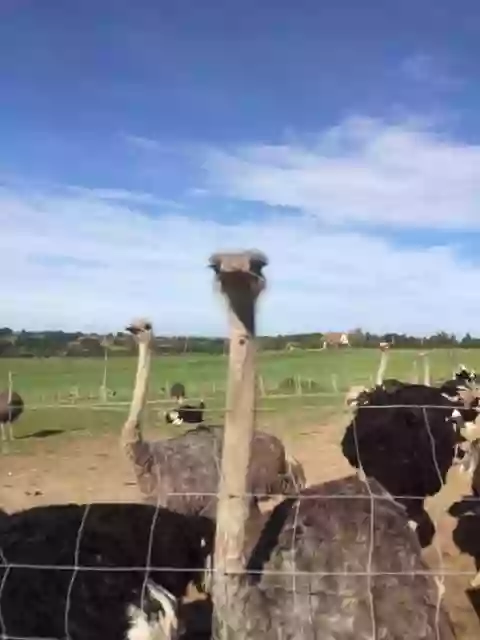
pixel 177 391
pixel 182 472
pixel 345 569
pixel 355 394
pixel 184 413
pixel 11 408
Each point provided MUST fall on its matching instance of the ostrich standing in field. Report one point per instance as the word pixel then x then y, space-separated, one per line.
pixel 382 367
pixel 426 368
pixel 183 413
pixel 316 571
pixel 11 408
pixel 357 391
pixel 182 472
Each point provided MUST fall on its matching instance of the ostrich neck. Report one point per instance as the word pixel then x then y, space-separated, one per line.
pixel 239 424
pixel 382 367
pixel 426 372
pixel 232 510
pixel 132 428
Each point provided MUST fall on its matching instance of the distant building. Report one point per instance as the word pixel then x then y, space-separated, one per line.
pixel 335 339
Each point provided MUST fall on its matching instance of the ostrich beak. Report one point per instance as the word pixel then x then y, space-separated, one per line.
pixel 132 329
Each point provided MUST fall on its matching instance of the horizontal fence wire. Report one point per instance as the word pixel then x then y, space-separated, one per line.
pixel 76 567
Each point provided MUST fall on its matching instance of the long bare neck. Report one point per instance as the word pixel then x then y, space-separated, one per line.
pixel 426 371
pixel 382 367
pixel 132 432
pixel 233 505
pixel 239 426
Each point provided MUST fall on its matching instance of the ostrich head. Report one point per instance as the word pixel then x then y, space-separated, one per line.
pixel 240 279
pixel 141 330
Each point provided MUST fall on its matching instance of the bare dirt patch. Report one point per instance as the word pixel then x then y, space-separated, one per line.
pixel 92 469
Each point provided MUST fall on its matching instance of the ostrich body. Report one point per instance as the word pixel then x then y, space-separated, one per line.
pixel 406 436
pixel 11 408
pixel 185 414
pixel 182 473
pixel 309 572
pixel 466 534
pixel 167 549
pixel 297 583
pixel 177 391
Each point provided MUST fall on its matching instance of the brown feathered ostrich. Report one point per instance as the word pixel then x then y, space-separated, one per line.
pixel 182 473
pixel 345 569
pixel 11 408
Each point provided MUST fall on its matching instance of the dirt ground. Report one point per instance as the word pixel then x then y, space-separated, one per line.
pixel 93 469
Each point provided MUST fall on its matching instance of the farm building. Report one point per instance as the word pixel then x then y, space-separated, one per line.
pixel 335 339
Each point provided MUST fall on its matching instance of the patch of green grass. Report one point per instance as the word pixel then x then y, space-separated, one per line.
pixel 45 384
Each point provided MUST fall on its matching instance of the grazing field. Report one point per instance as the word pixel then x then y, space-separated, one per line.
pixel 67 445
pixel 296 388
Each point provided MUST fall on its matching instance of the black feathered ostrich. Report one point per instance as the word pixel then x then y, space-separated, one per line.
pixel 406 436
pixel 11 408
pixel 106 571
pixel 182 472
pixel 345 569
pixel 183 413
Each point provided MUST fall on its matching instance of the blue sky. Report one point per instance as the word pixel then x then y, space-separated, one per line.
pixel 342 139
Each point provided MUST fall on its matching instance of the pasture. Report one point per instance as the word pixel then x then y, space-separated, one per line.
pixel 67 446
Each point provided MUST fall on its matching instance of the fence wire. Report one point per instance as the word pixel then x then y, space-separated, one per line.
pixel 439 574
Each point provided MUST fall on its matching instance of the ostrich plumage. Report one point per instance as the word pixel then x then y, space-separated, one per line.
pixel 103 604
pixel 405 436
pixel 11 408
pixel 182 473
pixel 185 414
pixel 318 572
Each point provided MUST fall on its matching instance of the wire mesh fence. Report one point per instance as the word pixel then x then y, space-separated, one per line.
pixel 294 393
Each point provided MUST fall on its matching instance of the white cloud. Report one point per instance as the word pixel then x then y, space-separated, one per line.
pixel 80 262
pixel 362 171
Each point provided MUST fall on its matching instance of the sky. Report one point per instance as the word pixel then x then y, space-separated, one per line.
pixel 340 138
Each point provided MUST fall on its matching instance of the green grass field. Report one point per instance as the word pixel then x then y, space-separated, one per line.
pixel 320 378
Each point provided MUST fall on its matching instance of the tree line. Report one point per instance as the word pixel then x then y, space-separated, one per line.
pixel 30 344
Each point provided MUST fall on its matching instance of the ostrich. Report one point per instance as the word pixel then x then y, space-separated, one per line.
pixel 465 375
pixel 132 564
pixel 355 394
pixel 466 534
pixel 384 347
pixel 426 368
pixel 181 473
pixel 406 436
pixel 177 391
pixel 11 408
pixel 344 570
pixel 185 413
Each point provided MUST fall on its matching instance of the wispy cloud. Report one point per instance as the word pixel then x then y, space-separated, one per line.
pixel 428 70
pixel 363 171
pixel 83 262
pixel 146 144
pixel 123 195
